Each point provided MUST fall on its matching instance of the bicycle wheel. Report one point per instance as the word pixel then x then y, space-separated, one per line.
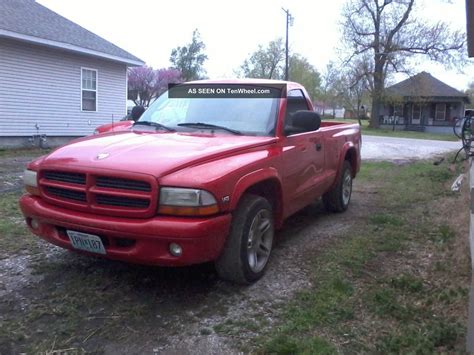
pixel 458 126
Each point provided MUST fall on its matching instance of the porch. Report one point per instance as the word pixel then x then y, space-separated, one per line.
pixel 434 116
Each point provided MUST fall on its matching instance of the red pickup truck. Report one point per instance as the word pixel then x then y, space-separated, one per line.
pixel 194 180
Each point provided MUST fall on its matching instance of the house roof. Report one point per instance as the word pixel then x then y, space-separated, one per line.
pixel 423 85
pixel 30 21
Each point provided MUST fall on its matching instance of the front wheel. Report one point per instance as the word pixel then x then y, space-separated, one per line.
pixel 338 199
pixel 249 244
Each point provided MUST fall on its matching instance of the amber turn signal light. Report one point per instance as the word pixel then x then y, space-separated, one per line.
pixel 189 211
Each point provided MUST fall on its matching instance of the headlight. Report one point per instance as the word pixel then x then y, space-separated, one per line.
pixel 31 182
pixel 186 202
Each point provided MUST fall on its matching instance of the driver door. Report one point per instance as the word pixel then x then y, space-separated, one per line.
pixel 303 160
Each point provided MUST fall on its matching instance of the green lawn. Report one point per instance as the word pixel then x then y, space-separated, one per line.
pixel 396 283
pixel 400 134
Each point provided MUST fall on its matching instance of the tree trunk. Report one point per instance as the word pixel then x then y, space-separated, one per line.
pixel 358 112
pixel 376 109
pixel 377 96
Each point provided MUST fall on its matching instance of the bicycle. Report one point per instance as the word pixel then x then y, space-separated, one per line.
pixel 462 129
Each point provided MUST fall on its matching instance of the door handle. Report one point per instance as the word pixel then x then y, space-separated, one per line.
pixel 318 146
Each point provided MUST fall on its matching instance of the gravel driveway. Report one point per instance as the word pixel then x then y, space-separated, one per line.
pixel 394 149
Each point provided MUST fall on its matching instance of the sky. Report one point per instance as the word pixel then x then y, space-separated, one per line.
pixel 232 30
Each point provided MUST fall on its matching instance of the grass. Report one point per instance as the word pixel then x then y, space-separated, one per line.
pixel 366 130
pixel 13 228
pixel 311 345
pixel 407 282
pixel 364 276
pixel 422 340
pixel 15 152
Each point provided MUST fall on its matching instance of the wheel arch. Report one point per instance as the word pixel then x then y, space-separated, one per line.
pixel 265 183
pixel 351 156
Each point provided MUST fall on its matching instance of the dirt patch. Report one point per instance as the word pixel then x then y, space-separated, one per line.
pixel 11 170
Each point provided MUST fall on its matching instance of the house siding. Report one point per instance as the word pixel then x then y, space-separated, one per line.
pixel 41 87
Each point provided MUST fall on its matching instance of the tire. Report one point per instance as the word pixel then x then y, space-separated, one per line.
pixel 457 127
pixel 338 199
pixel 249 244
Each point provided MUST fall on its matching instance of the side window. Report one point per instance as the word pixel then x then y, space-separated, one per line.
pixel 88 89
pixel 295 93
pixel 295 102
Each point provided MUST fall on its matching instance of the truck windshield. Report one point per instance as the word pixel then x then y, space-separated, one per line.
pixel 248 116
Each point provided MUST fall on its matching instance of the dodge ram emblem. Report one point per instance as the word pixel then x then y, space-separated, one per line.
pixel 102 156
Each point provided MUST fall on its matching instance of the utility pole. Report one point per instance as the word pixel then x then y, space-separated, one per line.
pixel 289 22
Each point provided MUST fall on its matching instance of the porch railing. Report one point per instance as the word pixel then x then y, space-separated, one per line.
pixel 402 121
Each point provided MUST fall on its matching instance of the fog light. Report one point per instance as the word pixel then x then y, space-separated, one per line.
pixel 34 223
pixel 175 249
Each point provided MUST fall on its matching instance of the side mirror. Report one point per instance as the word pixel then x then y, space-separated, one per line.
pixel 304 121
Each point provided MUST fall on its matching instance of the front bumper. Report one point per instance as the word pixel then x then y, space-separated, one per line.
pixel 143 241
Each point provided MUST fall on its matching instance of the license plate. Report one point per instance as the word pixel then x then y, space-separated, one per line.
pixel 87 242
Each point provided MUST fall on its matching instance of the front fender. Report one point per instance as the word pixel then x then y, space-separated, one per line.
pixel 251 179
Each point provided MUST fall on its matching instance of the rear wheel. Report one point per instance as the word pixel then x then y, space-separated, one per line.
pixel 338 199
pixel 249 244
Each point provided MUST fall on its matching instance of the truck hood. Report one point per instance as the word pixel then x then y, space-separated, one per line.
pixel 156 154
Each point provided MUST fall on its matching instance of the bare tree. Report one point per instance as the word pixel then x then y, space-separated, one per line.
pixel 330 87
pixel 354 89
pixel 386 34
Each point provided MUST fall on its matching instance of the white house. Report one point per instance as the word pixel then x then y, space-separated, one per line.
pixel 56 78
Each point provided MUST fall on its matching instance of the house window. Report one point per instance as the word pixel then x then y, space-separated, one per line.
pixel 416 112
pixel 440 113
pixel 89 89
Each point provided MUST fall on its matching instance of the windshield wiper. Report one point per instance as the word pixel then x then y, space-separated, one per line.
pixel 154 124
pixel 210 126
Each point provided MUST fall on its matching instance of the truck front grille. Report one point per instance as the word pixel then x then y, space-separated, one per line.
pixel 122 201
pixel 124 184
pixel 100 193
pixel 67 194
pixel 72 178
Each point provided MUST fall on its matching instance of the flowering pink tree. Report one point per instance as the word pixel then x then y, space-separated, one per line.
pixel 145 84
